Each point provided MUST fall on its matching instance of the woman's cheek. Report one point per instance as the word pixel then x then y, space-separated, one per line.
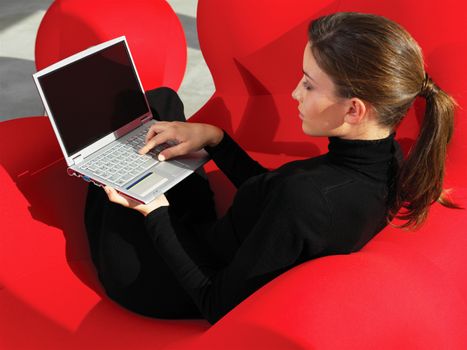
pixel 308 110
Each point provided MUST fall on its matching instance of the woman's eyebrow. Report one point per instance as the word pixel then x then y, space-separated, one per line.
pixel 308 75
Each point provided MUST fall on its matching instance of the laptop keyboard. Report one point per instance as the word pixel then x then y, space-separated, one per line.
pixel 122 162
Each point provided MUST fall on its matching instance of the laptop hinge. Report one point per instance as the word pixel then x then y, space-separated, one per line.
pixel 78 159
pixel 145 119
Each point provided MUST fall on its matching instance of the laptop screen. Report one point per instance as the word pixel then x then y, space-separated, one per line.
pixel 93 96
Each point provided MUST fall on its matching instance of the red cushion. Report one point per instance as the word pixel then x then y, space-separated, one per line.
pixel 153 31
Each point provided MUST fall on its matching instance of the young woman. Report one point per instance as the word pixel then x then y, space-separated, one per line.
pixel 173 258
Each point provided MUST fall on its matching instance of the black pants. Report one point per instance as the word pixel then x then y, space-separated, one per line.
pixel 128 266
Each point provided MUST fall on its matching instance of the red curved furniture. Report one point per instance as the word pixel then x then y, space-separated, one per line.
pixel 153 31
pixel 403 290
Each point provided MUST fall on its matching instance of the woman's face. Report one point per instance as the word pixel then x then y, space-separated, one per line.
pixel 321 111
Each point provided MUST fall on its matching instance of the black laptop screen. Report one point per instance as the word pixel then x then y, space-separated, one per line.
pixel 93 96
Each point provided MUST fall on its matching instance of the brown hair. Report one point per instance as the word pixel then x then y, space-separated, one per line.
pixel 373 58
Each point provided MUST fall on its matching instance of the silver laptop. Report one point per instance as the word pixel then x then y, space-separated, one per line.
pixel 99 113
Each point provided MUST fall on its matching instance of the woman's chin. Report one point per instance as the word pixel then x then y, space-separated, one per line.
pixel 310 132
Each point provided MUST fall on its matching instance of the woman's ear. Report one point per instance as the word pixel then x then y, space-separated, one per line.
pixel 357 110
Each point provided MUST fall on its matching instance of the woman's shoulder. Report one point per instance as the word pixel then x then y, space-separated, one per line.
pixel 300 181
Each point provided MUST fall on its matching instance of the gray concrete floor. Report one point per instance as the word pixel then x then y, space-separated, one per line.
pixel 19 21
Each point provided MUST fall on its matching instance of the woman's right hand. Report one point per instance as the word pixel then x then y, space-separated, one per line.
pixel 187 137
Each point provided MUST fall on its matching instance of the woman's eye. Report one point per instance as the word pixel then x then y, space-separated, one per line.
pixel 306 85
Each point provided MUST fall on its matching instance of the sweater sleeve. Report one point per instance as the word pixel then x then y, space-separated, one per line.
pixel 273 246
pixel 233 161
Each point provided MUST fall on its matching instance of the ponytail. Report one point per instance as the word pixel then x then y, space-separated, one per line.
pixel 419 181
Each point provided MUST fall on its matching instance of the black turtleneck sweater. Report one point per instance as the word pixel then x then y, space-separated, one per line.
pixel 331 204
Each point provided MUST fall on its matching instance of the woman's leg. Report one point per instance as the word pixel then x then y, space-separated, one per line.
pixel 129 268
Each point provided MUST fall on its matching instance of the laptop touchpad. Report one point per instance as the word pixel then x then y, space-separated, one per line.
pixel 147 184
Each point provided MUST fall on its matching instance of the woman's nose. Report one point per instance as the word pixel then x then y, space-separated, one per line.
pixel 295 94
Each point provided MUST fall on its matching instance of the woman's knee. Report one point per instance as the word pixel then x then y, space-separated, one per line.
pixel 165 104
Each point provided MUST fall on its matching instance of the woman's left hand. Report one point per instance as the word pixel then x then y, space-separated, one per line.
pixel 144 209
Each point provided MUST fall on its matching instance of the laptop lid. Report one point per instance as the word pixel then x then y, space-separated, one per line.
pixel 92 98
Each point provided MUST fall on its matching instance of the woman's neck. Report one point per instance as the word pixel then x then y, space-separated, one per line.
pixel 366 131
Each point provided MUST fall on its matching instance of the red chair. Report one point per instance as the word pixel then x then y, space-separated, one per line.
pixel 402 290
